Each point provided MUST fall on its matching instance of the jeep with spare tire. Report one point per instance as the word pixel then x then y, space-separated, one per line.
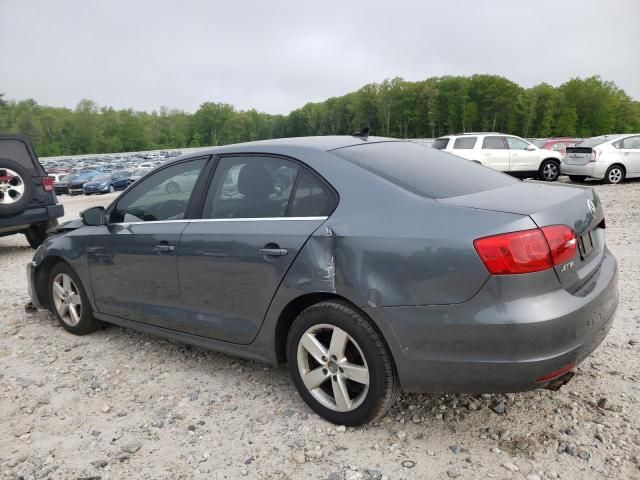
pixel 28 203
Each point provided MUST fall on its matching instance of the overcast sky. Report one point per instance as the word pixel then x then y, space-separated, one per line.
pixel 276 56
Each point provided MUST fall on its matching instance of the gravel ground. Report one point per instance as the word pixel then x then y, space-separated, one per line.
pixel 120 404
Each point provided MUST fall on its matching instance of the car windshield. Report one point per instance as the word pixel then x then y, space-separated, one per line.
pixel 68 178
pixel 422 170
pixel 539 142
pixel 102 178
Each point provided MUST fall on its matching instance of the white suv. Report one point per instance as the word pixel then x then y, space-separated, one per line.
pixel 506 153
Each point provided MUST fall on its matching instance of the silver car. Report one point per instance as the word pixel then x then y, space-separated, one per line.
pixel 609 157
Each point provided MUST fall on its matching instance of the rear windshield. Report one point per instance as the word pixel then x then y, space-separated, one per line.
pixel 440 143
pixel 422 170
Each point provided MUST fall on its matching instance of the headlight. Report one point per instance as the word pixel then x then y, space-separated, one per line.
pixel 104 184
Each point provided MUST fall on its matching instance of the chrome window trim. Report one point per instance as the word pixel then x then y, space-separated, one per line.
pixel 200 220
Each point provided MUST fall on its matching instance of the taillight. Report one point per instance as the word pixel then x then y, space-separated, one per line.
pixel 47 184
pixel 562 243
pixel 526 251
pixel 595 154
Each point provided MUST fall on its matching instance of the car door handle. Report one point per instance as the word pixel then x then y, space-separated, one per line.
pixel 273 252
pixel 164 247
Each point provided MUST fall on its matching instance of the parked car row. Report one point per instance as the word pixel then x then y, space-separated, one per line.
pixel 611 158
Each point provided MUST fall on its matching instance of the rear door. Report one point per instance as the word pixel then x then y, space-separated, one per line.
pixel 630 153
pixel 133 260
pixel 494 153
pixel 257 215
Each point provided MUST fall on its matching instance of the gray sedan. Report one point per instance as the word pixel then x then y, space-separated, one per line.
pixel 368 265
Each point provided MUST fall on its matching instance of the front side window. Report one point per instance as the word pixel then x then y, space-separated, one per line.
pixel 516 143
pixel 250 187
pixel 465 143
pixel 493 143
pixel 162 196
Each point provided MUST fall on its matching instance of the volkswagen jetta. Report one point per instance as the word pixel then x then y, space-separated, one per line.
pixel 368 265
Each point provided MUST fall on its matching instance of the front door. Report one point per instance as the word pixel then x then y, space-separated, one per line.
pixel 257 216
pixel 521 159
pixel 133 263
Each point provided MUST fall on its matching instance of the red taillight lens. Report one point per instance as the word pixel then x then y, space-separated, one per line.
pixel 517 252
pixel 47 184
pixel 562 243
pixel 556 373
pixel 526 251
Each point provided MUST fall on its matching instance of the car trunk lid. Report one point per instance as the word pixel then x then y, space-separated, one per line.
pixel 577 207
pixel 579 155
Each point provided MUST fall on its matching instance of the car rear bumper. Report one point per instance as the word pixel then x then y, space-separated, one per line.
pixel 29 217
pixel 503 339
pixel 591 169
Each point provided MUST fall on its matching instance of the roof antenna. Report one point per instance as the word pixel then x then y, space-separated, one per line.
pixel 364 133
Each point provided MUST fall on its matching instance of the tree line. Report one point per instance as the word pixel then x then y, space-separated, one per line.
pixel 399 108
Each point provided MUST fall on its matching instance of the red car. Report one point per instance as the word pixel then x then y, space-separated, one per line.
pixel 557 144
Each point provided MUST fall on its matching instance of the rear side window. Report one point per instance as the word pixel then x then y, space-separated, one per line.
pixel 313 198
pixel 424 171
pixel 493 143
pixel 465 143
pixel 440 143
pixel 631 142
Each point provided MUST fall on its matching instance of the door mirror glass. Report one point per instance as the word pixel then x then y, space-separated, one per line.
pixel 93 216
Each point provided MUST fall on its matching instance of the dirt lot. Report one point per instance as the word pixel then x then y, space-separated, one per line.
pixel 120 404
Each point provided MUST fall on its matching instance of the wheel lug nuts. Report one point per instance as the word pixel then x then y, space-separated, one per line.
pixel 341 370
pixel 324 370
pixel 324 359
pixel 335 378
pixel 333 357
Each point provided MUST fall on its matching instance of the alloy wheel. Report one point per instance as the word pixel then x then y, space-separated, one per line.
pixel 11 186
pixel 550 171
pixel 67 300
pixel 333 367
pixel 615 175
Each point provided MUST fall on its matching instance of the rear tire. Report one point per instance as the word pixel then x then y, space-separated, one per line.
pixel 578 178
pixel 615 174
pixel 36 234
pixel 353 380
pixel 549 170
pixel 69 302
pixel 16 187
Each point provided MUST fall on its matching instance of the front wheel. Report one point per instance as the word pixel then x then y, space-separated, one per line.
pixel 340 365
pixel 549 171
pixel 69 302
pixel 614 174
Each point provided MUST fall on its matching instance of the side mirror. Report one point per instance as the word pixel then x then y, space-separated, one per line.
pixel 94 216
pixel 530 148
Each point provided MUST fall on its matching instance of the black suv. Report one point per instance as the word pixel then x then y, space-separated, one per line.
pixel 27 202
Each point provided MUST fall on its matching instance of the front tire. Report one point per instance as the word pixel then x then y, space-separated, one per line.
pixel 340 365
pixel 549 171
pixel 69 302
pixel 615 174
